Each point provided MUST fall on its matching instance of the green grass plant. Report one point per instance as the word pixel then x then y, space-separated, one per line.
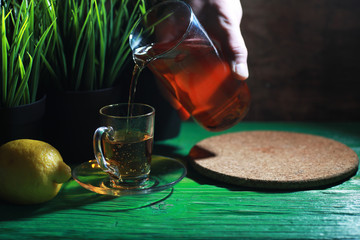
pixel 90 42
pixel 24 29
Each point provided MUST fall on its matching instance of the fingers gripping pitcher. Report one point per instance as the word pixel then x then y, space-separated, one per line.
pixel 170 41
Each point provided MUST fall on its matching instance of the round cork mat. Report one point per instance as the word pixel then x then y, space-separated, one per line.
pixel 274 160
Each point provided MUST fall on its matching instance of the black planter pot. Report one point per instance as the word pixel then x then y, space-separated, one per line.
pixel 71 119
pixel 24 121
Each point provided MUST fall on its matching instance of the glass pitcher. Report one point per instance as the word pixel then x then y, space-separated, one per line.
pixel 170 41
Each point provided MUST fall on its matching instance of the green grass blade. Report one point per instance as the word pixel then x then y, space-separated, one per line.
pixel 25 98
pixel 91 67
pixel 13 53
pixel 120 18
pixel 111 23
pixel 4 56
pixel 78 66
pixel 20 43
pixel 48 66
pixel 123 50
pixel 79 39
pixel 62 59
pixel 81 69
pixel 142 7
pixel 118 65
pixel 36 68
pixel 13 78
pixel 31 27
pixel 51 72
pixel 19 46
pixel 24 74
pixel 102 31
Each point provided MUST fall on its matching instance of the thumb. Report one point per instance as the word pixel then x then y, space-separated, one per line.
pixel 237 54
pixel 231 39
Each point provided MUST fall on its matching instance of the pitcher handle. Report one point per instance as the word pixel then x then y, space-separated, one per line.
pixel 98 151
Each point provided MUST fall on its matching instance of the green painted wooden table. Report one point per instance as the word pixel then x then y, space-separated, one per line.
pixel 198 207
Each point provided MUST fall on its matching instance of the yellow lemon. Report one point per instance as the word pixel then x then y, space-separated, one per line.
pixel 31 171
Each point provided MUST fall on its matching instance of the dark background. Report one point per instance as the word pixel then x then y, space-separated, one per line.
pixel 303 59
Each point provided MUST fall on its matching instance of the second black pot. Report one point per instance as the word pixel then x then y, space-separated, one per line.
pixel 71 119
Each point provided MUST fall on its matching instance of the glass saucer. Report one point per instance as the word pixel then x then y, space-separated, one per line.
pixel 165 173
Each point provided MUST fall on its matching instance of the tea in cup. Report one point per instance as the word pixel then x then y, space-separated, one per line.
pixel 123 144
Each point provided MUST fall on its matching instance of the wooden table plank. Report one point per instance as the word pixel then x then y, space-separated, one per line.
pixel 198 207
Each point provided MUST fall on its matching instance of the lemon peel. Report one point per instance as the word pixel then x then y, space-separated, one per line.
pixel 31 171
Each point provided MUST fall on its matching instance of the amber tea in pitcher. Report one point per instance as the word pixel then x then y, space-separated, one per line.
pixel 170 41
pixel 198 83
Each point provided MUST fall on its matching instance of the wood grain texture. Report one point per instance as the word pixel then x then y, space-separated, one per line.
pixel 199 208
pixel 303 59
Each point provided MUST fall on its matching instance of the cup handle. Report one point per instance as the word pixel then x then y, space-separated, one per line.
pixel 98 151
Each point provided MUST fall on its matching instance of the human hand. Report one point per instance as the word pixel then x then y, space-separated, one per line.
pixel 221 20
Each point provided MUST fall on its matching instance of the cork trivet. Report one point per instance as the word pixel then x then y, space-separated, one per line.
pixel 274 160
